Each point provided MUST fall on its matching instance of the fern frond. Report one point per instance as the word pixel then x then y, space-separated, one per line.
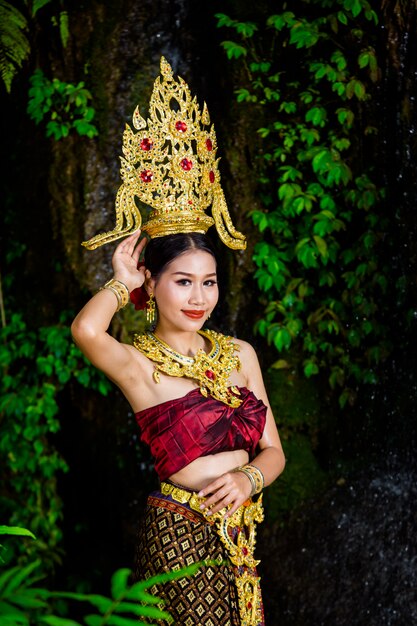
pixel 14 45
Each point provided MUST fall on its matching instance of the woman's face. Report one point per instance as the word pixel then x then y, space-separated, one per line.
pixel 186 292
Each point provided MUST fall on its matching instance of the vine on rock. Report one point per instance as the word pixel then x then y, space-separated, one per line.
pixel 320 269
pixel 35 367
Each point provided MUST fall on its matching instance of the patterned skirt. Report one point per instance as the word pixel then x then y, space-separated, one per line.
pixel 221 593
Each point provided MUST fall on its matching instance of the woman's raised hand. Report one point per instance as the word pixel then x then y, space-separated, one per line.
pixel 125 261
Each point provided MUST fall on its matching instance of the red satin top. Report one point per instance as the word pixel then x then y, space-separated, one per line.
pixel 181 430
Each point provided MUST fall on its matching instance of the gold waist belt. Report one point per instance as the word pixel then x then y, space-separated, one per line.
pixel 238 535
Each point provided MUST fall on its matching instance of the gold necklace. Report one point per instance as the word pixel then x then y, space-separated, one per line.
pixel 210 369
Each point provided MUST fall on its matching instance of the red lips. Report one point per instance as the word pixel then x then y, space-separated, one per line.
pixel 195 315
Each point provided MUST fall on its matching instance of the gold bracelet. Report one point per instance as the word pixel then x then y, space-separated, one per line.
pixel 120 291
pixel 255 476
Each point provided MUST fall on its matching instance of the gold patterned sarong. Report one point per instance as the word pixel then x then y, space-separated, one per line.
pixel 225 591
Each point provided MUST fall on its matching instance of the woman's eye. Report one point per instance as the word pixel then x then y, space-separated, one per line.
pixel 183 281
pixel 210 283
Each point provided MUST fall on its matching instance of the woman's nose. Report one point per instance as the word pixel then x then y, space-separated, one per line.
pixel 197 295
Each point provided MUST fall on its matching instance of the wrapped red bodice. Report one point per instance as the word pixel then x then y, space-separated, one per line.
pixel 181 430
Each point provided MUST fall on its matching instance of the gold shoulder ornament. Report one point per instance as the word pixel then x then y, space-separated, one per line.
pixel 170 164
pixel 210 369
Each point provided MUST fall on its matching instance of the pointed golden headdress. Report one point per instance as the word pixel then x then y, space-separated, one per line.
pixel 170 164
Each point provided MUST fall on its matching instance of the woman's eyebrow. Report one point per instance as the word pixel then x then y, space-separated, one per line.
pixel 188 274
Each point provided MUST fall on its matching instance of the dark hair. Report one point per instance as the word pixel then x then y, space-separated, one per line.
pixel 159 252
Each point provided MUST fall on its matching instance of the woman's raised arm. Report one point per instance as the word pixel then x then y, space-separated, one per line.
pixel 89 328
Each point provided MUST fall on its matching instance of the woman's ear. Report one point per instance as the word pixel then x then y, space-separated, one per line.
pixel 149 282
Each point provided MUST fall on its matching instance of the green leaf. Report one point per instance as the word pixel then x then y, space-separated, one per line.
pixel 282 339
pixel 317 116
pixel 64 28
pixel 234 50
pixel 119 583
pixel 115 620
pixel 16 530
pixel 27 599
pixel 281 21
pixel 310 368
pixel 14 619
pixel 21 574
pixel 281 364
pixel 342 17
pixel 246 29
pixel 38 4
pixel 224 20
pixel 142 610
pixel 321 246
pixel 97 620
pixel 54 620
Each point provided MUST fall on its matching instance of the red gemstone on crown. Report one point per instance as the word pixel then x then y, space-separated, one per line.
pixel 209 144
pixel 245 551
pixel 146 144
pixel 181 127
pixel 186 164
pixel 211 176
pixel 146 176
pixel 249 605
pixel 210 374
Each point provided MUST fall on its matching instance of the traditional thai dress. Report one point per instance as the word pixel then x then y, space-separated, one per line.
pixel 175 533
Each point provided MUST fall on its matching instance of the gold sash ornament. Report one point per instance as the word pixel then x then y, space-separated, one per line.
pixel 240 549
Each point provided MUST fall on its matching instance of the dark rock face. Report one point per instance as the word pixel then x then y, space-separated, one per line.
pixel 348 559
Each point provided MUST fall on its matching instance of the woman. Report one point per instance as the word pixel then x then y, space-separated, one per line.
pixel 180 272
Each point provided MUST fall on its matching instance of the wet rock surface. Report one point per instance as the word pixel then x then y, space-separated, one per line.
pixel 348 559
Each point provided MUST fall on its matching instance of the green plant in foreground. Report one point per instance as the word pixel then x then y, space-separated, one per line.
pixel 35 366
pixel 320 264
pixel 23 604
pixel 65 106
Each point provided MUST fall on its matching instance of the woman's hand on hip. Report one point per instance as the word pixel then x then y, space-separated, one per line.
pixel 232 488
pixel 125 261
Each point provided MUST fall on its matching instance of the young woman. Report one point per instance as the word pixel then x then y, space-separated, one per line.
pixel 201 404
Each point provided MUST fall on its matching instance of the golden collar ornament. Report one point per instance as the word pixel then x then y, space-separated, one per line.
pixel 170 165
pixel 210 369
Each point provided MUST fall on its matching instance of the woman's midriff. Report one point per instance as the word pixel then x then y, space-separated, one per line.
pixel 205 469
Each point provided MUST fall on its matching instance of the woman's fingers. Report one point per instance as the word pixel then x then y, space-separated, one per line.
pixel 212 487
pixel 131 242
pixel 229 490
pixel 139 249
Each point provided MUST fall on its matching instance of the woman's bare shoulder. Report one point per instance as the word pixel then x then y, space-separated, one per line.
pixel 245 348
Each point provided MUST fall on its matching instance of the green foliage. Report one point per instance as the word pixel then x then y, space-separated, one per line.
pixel 127 603
pixel 35 367
pixel 65 106
pixel 23 603
pixel 319 265
pixel 15 42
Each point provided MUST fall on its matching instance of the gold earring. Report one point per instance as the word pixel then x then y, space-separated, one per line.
pixel 150 309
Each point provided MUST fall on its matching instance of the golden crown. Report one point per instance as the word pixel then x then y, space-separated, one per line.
pixel 170 164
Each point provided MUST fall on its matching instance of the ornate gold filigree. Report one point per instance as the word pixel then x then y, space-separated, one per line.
pixel 241 548
pixel 170 164
pixel 211 370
